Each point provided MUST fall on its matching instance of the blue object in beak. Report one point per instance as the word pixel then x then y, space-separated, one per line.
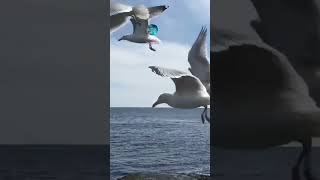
pixel 153 29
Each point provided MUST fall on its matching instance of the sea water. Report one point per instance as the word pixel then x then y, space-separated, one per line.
pixel 165 140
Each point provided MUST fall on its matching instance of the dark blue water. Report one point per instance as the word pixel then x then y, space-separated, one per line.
pixel 158 140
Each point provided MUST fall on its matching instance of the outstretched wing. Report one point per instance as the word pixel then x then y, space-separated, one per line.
pixel 185 83
pixel 118 20
pixel 118 15
pixel 116 8
pixel 198 59
pixel 140 26
pixel 156 10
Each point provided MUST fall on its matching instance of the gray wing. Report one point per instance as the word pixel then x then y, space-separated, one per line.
pixel 118 8
pixel 198 58
pixel 140 26
pixel 118 20
pixel 119 14
pixel 156 10
pixel 185 83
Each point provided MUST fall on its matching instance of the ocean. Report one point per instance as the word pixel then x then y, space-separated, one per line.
pixel 165 140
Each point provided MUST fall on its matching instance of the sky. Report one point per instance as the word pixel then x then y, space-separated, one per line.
pixel 132 84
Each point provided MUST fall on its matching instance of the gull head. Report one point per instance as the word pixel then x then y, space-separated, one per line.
pixel 126 37
pixel 163 98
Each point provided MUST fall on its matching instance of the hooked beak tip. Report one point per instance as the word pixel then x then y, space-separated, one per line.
pixel 154 104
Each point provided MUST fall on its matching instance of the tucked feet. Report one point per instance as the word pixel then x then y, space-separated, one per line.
pixel 202 117
pixel 151 48
pixel 207 117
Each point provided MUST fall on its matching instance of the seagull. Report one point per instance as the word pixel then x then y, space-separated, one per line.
pixel 190 92
pixel 198 59
pixel 260 100
pixel 140 33
pixel 120 14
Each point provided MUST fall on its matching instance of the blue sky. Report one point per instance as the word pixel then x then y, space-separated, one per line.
pixel 132 84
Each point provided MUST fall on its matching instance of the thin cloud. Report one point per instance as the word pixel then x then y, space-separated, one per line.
pixel 200 9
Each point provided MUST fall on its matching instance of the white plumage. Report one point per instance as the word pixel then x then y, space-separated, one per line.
pixel 190 92
pixel 120 14
pixel 198 59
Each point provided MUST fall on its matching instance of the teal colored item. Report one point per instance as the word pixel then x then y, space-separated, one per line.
pixel 153 29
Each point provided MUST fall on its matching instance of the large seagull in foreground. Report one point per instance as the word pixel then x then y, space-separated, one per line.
pixel 260 100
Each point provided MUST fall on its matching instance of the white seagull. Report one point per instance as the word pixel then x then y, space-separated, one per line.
pixel 190 92
pixel 260 100
pixel 120 13
pixel 140 33
pixel 198 59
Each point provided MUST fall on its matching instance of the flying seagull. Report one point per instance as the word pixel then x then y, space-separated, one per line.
pixel 260 100
pixel 190 92
pixel 120 13
pixel 140 33
pixel 198 59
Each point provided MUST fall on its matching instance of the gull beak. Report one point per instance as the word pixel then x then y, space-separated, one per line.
pixel 120 39
pixel 155 104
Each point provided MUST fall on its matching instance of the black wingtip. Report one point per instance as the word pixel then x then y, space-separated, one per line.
pixel 202 33
pixel 164 7
pixel 203 29
pixel 153 68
